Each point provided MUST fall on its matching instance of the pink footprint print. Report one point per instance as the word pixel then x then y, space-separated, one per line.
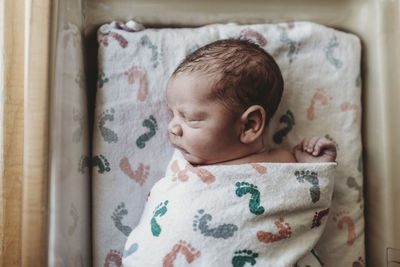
pixel 249 34
pixel 285 231
pixel 135 73
pixel 121 40
pixel 179 174
pixel 206 176
pixel 186 249
pixel 343 218
pixel 345 106
pixel 140 175
pixel 259 168
pixel 320 96
pixel 113 256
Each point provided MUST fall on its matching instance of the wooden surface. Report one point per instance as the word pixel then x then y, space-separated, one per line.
pixel 25 88
pixel 13 130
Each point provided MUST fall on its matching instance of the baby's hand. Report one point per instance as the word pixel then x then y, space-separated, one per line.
pixel 315 149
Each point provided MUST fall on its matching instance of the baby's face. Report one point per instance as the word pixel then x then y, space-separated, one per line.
pixel 200 126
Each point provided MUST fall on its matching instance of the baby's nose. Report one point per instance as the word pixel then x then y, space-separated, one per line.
pixel 175 128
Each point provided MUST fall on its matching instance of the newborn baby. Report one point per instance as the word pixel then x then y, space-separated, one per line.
pixel 221 99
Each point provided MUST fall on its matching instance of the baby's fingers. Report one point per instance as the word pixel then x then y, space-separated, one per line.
pixel 324 143
pixel 309 144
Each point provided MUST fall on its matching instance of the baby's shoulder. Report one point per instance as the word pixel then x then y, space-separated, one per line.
pixel 279 155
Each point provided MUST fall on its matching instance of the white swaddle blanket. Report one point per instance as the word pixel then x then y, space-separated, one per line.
pixel 264 214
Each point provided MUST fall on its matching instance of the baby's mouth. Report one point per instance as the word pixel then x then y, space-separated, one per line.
pixel 181 149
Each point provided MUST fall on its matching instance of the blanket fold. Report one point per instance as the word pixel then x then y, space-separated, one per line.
pixel 264 214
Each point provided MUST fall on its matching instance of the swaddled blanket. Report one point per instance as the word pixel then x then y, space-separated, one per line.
pixel 264 214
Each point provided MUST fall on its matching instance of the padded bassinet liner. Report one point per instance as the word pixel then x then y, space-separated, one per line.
pixel 69 233
pixel 321 69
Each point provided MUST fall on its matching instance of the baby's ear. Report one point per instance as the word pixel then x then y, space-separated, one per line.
pixel 253 123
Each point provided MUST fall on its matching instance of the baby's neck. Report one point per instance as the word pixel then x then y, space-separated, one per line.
pixel 258 155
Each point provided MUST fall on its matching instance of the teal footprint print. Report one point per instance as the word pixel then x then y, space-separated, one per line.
pixel 287 119
pixel 108 135
pixel 244 188
pixel 102 79
pixel 102 163
pixel 78 133
pixel 132 249
pixel 224 231
pixel 84 163
pixel 244 256
pixel 150 123
pixel 312 178
pixel 293 46
pixel 145 41
pixel 80 81
pixel 329 49
pixel 159 211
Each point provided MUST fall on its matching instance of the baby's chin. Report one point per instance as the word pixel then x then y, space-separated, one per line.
pixel 193 159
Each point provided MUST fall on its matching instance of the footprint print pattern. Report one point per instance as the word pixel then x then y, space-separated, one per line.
pixel 120 39
pixel 78 119
pixel 259 168
pixel 287 119
pixel 359 263
pixel 312 178
pixel 249 34
pixel 151 124
pixel 182 174
pixel 352 183
pixel 244 188
pixel 84 163
pixel 80 81
pixel 343 218
pixel 159 211
pixel 141 173
pixel 115 257
pixel 284 232
pixel 318 217
pixel 119 213
pixel 327 136
pixel 102 163
pixel 136 73
pixel 108 135
pixel 244 256
pixel 346 106
pixel 319 96
pixel 179 174
pixel 102 79
pixel 186 249
pixel 293 46
pixel 329 50
pixel 75 217
pixel 145 41
pixel 132 249
pixel 224 231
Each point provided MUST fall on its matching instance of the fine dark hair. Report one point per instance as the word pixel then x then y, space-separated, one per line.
pixel 245 74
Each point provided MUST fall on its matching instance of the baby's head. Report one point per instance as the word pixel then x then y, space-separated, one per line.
pixel 220 98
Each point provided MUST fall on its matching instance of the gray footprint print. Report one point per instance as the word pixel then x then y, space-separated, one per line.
pixel 224 231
